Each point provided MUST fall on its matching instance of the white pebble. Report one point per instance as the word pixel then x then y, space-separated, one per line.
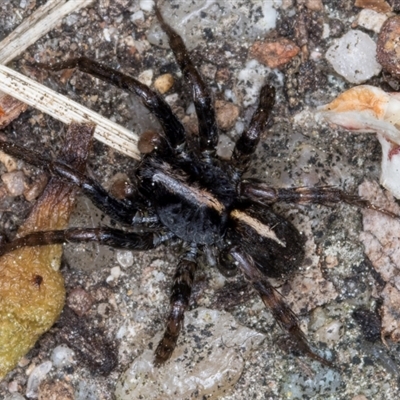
pixel 353 56
pixel 146 5
pixel 137 16
pixel 15 182
pixel 146 77
pixel 125 258
pixel 115 272
pixel 371 20
pixel 62 356
pixel 106 34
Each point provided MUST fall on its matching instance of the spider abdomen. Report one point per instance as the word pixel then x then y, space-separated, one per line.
pixel 274 243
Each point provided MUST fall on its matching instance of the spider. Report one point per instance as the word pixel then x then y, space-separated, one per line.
pixel 186 192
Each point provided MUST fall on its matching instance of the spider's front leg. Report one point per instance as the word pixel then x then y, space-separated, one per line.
pixel 123 211
pixel 247 143
pixel 173 128
pixel 179 301
pixel 272 299
pixel 203 102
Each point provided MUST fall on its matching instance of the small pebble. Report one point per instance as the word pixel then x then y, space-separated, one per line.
pixel 146 5
pixel 62 356
pixel 388 46
pixel 146 77
pixel 370 20
pixel 9 162
pixel 354 57
pixel 274 54
pixel 314 5
pixel 227 114
pixel 163 83
pixel 125 258
pixel 37 188
pixel 80 301
pixel 15 182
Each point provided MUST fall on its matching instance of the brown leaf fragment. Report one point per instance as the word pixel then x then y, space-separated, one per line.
pixel 10 109
pixel 274 54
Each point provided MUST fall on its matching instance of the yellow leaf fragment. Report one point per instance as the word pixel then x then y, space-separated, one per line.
pixel 32 292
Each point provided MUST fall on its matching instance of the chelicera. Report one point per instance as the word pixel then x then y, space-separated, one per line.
pixel 186 192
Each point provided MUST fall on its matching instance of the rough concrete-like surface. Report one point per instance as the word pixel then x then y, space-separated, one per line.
pixel 130 298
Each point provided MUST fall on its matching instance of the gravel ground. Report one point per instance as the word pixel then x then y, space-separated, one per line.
pixel 291 154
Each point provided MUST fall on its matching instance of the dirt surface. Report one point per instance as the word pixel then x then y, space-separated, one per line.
pixel 336 279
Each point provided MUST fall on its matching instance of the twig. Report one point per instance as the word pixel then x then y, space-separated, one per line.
pixel 43 20
pixel 46 100
pixel 66 110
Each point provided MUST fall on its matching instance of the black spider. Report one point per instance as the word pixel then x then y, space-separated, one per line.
pixel 191 194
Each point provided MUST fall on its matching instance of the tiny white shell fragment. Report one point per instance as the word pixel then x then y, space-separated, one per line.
pixel 367 109
pixel 36 376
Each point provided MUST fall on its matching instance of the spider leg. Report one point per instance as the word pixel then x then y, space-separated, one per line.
pixel 208 130
pixel 179 301
pixel 105 236
pixel 248 141
pixel 120 210
pixel 172 127
pixel 273 300
pixel 326 195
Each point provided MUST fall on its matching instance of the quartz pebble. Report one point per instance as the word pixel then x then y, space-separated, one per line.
pixel 15 182
pixel 208 363
pixel 62 356
pixel 370 20
pixel 353 57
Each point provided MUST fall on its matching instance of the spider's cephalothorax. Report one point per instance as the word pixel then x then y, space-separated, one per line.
pixel 192 195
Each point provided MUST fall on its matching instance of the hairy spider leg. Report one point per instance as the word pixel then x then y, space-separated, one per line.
pixel 248 141
pixel 261 193
pixel 203 102
pixel 179 302
pixel 116 238
pixel 172 127
pixel 123 211
pixel 273 300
